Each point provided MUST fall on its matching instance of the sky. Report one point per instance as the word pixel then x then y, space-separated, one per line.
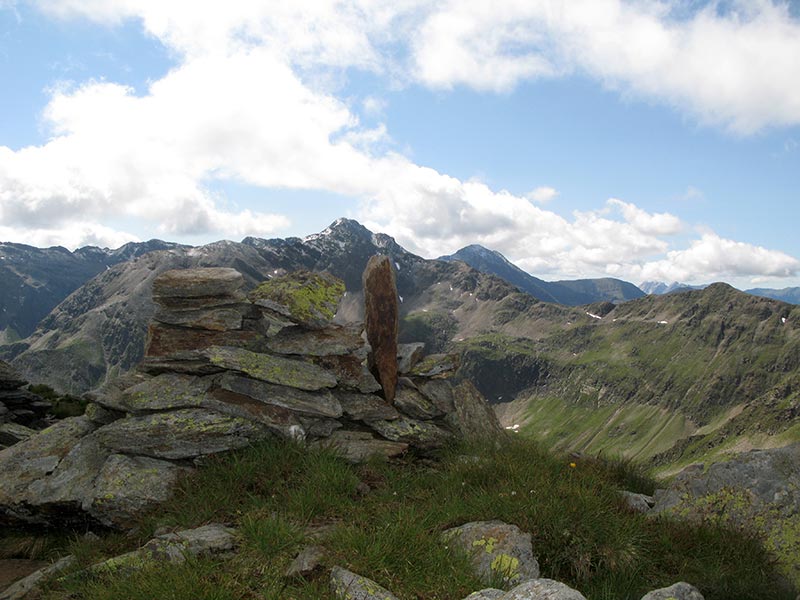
pixel 643 140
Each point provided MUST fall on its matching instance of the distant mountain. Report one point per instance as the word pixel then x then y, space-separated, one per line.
pixel 659 287
pixel 790 294
pixel 570 293
pixel 34 280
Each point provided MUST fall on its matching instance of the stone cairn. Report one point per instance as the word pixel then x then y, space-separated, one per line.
pixel 21 412
pixel 223 369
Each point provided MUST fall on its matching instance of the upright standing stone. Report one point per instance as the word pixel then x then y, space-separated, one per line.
pixel 381 320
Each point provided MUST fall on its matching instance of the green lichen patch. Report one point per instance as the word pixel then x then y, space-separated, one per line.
pixel 309 299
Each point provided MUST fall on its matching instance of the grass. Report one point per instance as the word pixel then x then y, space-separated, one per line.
pixel 282 497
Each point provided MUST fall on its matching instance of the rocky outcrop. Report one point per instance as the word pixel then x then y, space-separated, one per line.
pixel 381 319
pixel 220 372
pixel 18 406
pixel 758 491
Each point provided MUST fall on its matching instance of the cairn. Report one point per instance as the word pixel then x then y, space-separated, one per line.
pixel 221 370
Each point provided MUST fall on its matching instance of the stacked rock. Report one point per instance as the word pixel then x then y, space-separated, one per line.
pixel 21 411
pixel 223 370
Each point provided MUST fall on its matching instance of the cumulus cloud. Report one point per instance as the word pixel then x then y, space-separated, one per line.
pixel 250 101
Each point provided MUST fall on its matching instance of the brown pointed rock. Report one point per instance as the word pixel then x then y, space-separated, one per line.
pixel 381 318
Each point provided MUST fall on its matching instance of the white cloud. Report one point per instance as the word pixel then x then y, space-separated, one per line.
pixel 542 195
pixel 249 102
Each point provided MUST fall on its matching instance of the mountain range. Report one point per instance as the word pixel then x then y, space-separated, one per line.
pixel 665 378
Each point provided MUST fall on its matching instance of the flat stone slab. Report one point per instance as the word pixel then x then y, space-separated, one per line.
pixel 215 318
pixel 349 371
pixel 347 585
pixel 412 403
pixel 437 365
pixel 331 340
pixel 185 433
pixel 497 550
pixel 168 340
pixel 272 369
pixel 165 391
pixel 200 282
pixel 366 407
pixel 315 404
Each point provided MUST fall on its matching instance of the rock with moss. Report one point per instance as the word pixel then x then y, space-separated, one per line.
pixel 543 589
pixel 422 435
pixel 487 594
pixel 500 553
pixel 757 491
pixel 365 407
pixel 414 404
pixel 408 355
pixel 347 585
pixel 272 369
pixel 163 392
pixel 350 372
pixel 679 591
pixel 11 433
pixel 305 298
pixel 127 486
pixel 180 434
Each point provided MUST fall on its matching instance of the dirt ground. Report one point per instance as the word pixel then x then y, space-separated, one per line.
pixel 12 569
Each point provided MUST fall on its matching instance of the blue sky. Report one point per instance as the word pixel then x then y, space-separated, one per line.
pixel 640 140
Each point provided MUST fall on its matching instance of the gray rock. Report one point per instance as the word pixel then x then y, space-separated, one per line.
pixel 543 589
pixel 350 372
pixel 315 404
pixel 280 421
pixel 473 418
pixel 100 415
pixel 346 585
pixel 165 391
pixel 305 563
pixel 174 548
pixel 332 340
pixel 319 428
pixel 23 587
pixel 197 283
pixel 170 340
pixel 12 433
pixel 408 355
pixel 366 407
pixel 412 403
pixel 358 446
pixel 419 434
pixel 185 433
pixel 499 551
pixel 679 591
pixel 487 594
pixel 440 392
pixel 10 379
pixel 37 457
pixel 128 486
pixel 216 318
pixel 641 503
pixel 107 395
pixel 273 369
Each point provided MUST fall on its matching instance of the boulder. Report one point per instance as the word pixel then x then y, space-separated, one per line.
pixel 381 321
pixel 305 298
pixel 127 486
pixel 640 503
pixel 472 418
pixel 498 551
pixel 347 585
pixel 679 591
